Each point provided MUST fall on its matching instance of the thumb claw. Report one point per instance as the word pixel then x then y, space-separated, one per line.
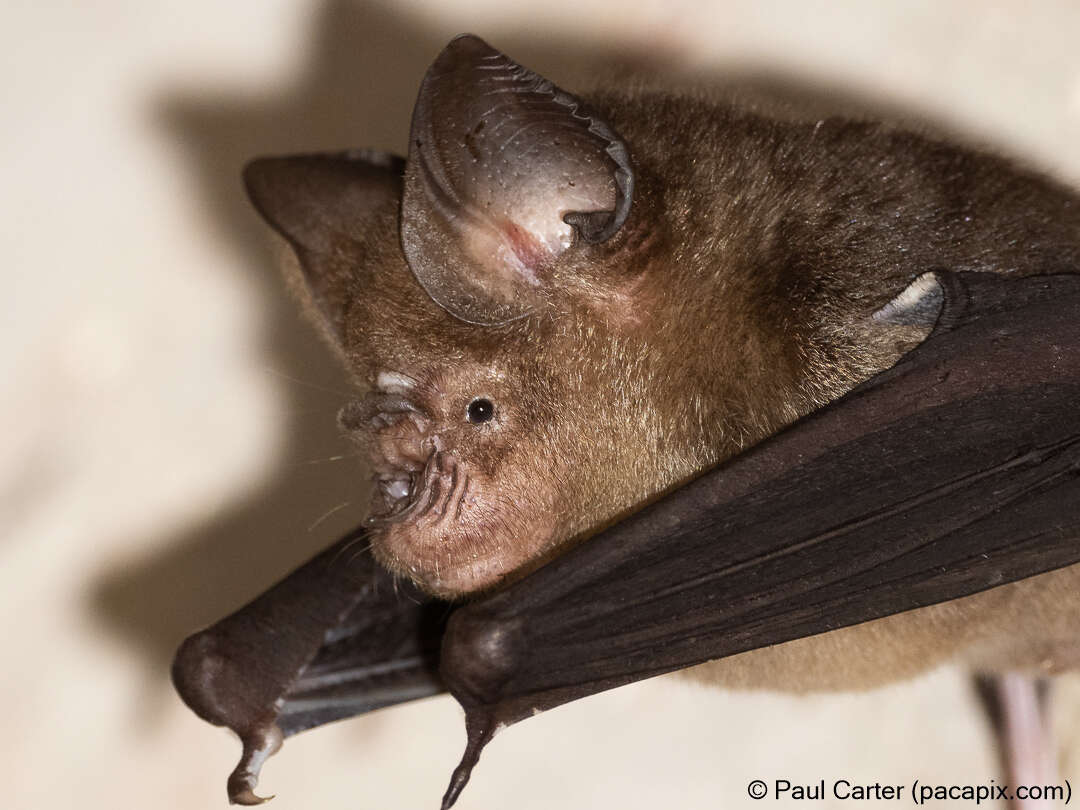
pixel 247 796
pixel 258 747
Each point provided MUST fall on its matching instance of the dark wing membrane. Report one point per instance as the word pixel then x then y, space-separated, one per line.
pixel 384 652
pixel 336 638
pixel 955 471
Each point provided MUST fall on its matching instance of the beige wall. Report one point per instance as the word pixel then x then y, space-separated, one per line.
pixel 168 442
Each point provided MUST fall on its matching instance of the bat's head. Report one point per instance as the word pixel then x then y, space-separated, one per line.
pixel 547 333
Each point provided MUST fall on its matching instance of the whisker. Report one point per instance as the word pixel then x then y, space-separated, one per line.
pixel 322 412
pixel 357 553
pixel 337 508
pixel 298 381
pixel 351 547
pixel 324 460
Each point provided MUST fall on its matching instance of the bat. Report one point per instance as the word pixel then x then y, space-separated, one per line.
pixel 567 308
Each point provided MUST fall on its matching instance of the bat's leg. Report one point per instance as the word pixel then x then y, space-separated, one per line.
pixel 1017 703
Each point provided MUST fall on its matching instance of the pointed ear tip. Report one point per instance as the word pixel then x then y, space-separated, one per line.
pixel 466 38
pixel 468 44
pixel 268 180
pixel 273 184
pixel 257 173
pixel 255 176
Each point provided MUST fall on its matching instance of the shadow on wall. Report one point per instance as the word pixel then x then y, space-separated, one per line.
pixel 365 66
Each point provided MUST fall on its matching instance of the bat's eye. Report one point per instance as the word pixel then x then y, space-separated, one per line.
pixel 480 410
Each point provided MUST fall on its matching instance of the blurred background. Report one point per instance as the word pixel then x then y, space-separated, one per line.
pixel 169 446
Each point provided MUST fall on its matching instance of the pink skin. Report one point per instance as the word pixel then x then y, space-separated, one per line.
pixel 437 519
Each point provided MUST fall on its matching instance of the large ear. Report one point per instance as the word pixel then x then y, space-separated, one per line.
pixel 325 205
pixel 504 168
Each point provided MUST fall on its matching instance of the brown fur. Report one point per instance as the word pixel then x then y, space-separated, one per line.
pixel 735 299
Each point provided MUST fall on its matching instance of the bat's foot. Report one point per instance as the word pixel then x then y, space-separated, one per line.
pixel 258 747
pixel 247 797
pixel 1017 706
pixel 480 727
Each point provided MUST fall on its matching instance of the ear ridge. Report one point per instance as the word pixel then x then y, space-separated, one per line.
pixel 504 170
pixel 321 203
pixel 599 226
